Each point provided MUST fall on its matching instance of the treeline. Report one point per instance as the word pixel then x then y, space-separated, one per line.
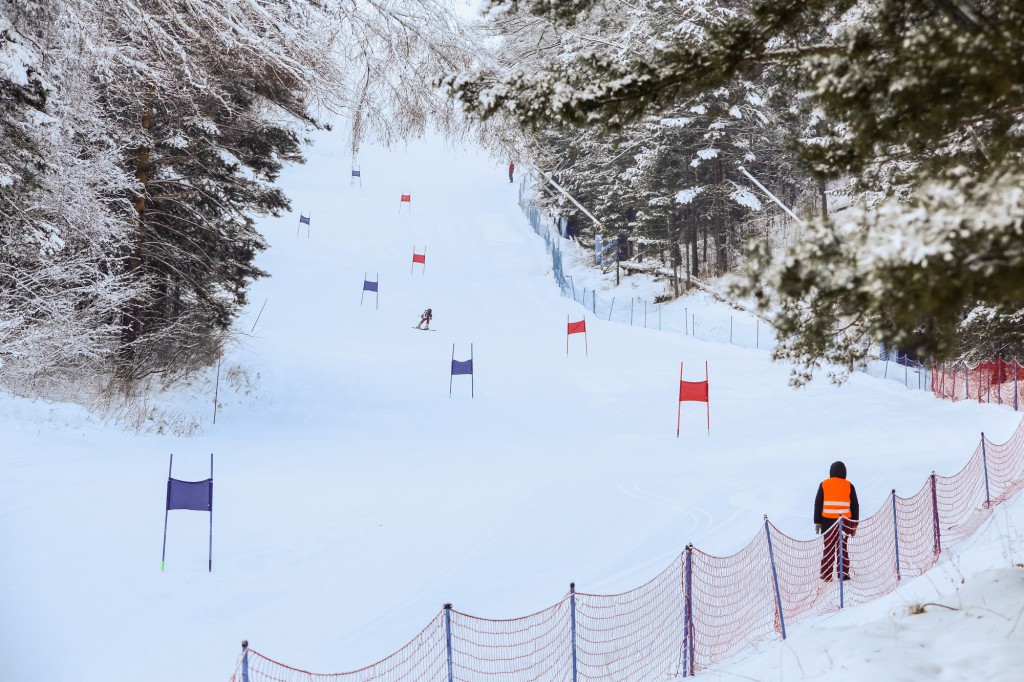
pixel 666 183
pixel 893 130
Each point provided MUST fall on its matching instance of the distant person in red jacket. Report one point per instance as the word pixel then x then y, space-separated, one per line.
pixel 511 170
pixel 836 501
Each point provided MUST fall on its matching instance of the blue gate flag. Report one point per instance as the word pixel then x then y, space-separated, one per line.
pixel 462 367
pixel 304 220
pixel 355 174
pixel 197 495
pixel 369 286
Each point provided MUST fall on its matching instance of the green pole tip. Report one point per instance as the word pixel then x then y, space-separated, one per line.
pixel 161 566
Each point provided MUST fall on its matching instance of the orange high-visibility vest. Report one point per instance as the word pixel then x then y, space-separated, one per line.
pixel 836 498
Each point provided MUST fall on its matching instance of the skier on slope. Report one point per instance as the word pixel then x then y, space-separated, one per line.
pixel 511 170
pixel 836 499
pixel 425 318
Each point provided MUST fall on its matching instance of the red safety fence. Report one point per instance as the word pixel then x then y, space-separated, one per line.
pixel 993 381
pixel 702 609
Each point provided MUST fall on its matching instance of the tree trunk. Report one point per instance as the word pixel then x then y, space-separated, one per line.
pixel 131 317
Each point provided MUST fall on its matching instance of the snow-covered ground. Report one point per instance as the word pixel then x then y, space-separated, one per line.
pixel 353 496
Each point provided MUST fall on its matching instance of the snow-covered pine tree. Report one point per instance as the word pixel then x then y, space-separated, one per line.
pixel 667 182
pixel 924 103
pixel 62 218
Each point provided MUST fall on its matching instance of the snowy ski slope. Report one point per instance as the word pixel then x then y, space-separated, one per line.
pixel 353 497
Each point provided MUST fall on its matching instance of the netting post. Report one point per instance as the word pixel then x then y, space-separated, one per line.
pixel 659 318
pixel 630 312
pixel 448 638
pixel 935 517
pixel 775 577
pixel 730 329
pixel 593 301
pixel 611 309
pixel 999 379
pixel 757 333
pixel 896 534
pixel 1015 366
pixel 686 321
pixel 967 381
pixel 572 625
pixel 688 614
pixel 842 562
pixel 984 464
pixel 245 660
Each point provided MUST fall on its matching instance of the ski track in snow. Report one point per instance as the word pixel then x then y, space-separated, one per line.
pixel 353 497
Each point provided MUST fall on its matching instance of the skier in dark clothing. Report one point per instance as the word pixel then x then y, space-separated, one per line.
pixel 836 499
pixel 426 317
pixel 511 170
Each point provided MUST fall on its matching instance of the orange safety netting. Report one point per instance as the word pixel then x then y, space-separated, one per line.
pixel 702 609
pixel 993 381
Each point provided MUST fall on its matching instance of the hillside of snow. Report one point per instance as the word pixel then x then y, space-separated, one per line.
pixel 353 497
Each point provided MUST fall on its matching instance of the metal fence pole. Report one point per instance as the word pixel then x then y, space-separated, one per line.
pixel 688 613
pixel 448 638
pixel 245 660
pixel 612 308
pixel 572 618
pixel 896 534
pixel 775 578
pixel 686 321
pixel 935 518
pixel 984 464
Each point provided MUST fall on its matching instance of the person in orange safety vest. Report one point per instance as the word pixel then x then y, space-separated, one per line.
pixel 836 499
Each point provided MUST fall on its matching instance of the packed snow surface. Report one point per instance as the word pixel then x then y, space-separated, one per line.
pixel 353 497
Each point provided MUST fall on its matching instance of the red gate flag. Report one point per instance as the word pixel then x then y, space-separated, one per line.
pixel 420 258
pixel 693 391
pixel 576 328
pixel 406 199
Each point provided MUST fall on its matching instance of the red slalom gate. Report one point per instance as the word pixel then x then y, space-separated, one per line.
pixel 693 391
pixel 702 609
pixel 577 328
pixel 420 258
